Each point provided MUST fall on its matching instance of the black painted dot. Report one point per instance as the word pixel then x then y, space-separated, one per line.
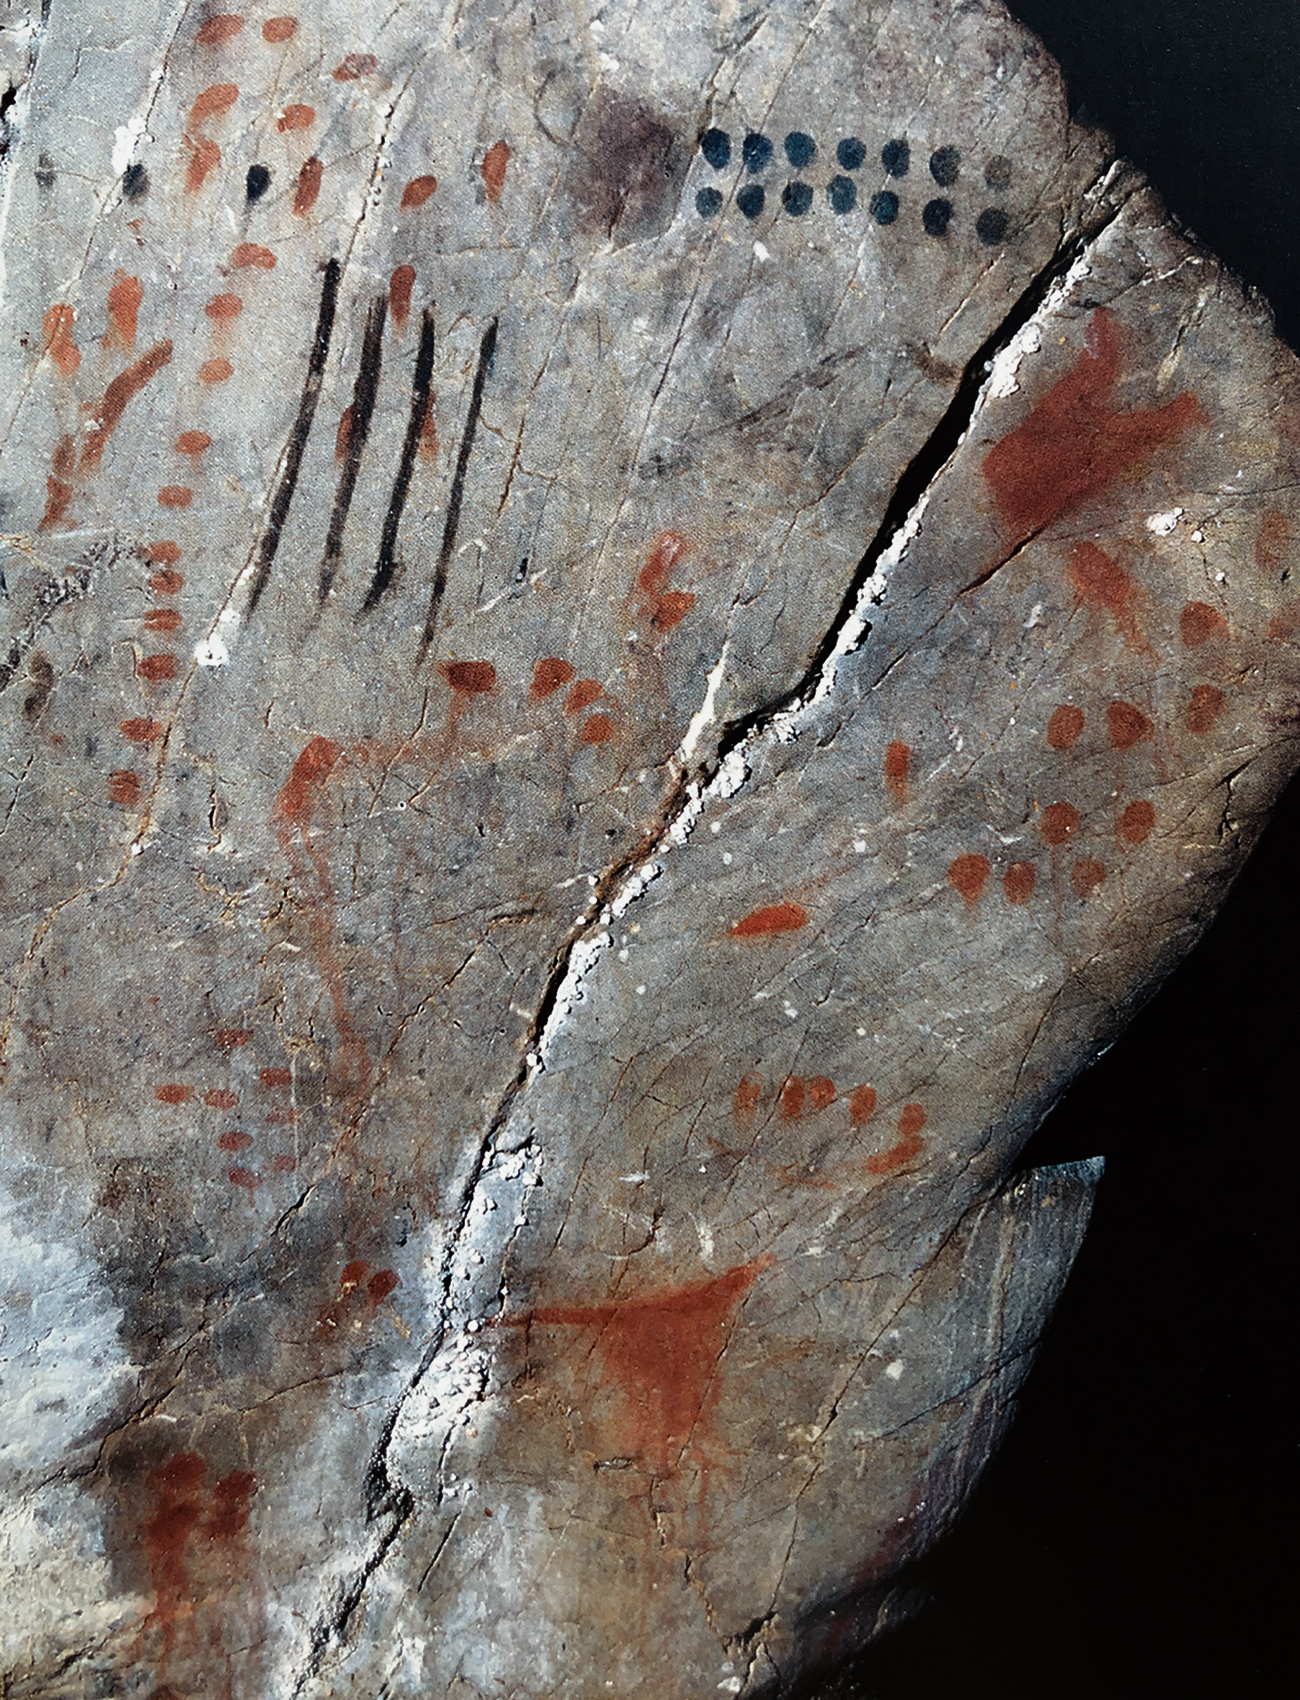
pixel 997 173
pixel 884 207
pixel 851 153
pixel 750 200
pixel 796 198
pixel 756 151
pixel 708 203
pixel 896 157
pixel 800 150
pixel 842 193
pixel 935 217
pixel 258 181
pixel 991 226
pixel 135 182
pixel 715 145
pixel 46 175
pixel 945 166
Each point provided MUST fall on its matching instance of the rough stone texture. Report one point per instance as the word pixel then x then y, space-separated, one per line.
pixel 584 759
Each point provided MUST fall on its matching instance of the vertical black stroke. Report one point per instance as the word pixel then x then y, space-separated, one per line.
pixel 364 392
pixel 486 350
pixel 298 436
pixel 421 383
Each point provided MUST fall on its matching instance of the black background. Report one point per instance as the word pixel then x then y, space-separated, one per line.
pixel 1133 1536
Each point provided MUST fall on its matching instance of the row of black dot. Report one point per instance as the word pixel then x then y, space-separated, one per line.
pixel 756 153
pixel 797 199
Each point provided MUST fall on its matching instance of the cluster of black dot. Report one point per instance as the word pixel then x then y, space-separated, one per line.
pixel 757 151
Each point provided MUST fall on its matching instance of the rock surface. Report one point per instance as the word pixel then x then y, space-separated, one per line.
pixel 629 634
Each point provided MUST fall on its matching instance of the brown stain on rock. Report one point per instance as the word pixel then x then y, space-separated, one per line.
pixel 624 176
pixel 583 694
pixel 1060 821
pixel 251 254
pixel 1136 823
pixel 596 729
pixel 862 1104
pixel 550 675
pixel 296 117
pixel 219 29
pixel 276 30
pixel 219 97
pixel 205 157
pixel 1206 705
pixel 1086 875
pixel 666 608
pixel 1018 882
pixel 124 787
pixel 470 678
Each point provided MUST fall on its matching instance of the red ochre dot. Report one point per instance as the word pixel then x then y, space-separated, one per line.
pixel 173 1093
pixel 1018 882
pixel 276 1076
pixel 471 678
pixel 284 1165
pixel 381 1284
pixel 281 1118
pixel 234 1140
pixel 583 694
pixel 309 181
pixel 1198 622
pixel 1204 709
pixel 245 1178
pixel 252 254
pixel 296 118
pixel 212 100
pixel 596 729
pixel 142 731
pixel 223 27
pixel 215 371
pixel 1086 875
pixel 193 442
pixel 821 1092
pixel 897 760
pixel 912 1119
pixel 968 875
pixel 1060 821
pixel 224 307
pixel 220 1099
pixel 167 583
pixel 1136 822
pixel 231 1038
pixel 175 496
pixel 156 667
pixel 1064 727
pixel 417 191
pixel 775 918
pixel 164 550
pixel 353 66
pixel 745 1102
pixel 548 676
pixel 124 787
pixel 161 620
pixel 276 30
pixel 1126 725
pixel 791 1100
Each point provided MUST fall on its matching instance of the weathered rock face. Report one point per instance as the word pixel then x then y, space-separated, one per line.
pixel 630 633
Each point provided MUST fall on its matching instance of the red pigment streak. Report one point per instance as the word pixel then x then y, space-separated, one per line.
pixel 548 676
pixel 231 1038
pixel 1086 876
pixel 296 118
pixel 215 371
pixel 343 436
pixel 166 550
pixel 470 678
pixel 167 582
pixel 176 1511
pixel 57 332
pixel 219 98
pixel 792 1096
pixel 1271 541
pixel 493 170
pixel 224 27
pixel 205 157
pixel 744 1106
pixel 776 918
pixel 1126 725
pixel 298 795
pixel 417 191
pixel 173 1093
pixel 428 434
pixel 1136 822
pixel 583 694
pixel 234 1140
pixel 220 1099
pixel 252 254
pixel 821 1092
pixel 381 1284
pixel 175 496
pixel 909 1144
pixel 156 668
pixel 1204 709
pixel 284 1164
pixel 281 1118
pixel 353 66
pixel 309 181
pixel 124 787
pixel 1064 728
pixel 276 1076
pixel 223 307
pixel 58 491
pixel 1104 583
pixel 142 731
pixel 124 298
pixel 276 30
pixel 1075 445
pixel 1060 821
pixel 862 1104
pixel 400 285
pixel 108 410
pixel 898 758
pixel 1198 623
pixel 668 608
pixel 193 442
pixel 597 729
pixel 968 875
pixel 245 1178
pixel 663 1352
pixel 1018 882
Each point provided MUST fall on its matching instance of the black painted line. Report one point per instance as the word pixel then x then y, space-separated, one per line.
pixel 298 436
pixel 364 392
pixel 421 384
pixel 486 350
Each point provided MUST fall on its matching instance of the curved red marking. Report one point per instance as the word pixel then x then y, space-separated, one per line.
pixel 1018 882
pixel 1136 823
pixel 219 29
pixel 1060 821
pixel 1104 584
pixel 400 285
pixel 124 298
pixel 744 1106
pixel 296 118
pixel 470 678
pixel 968 875
pixel 219 98
pixel 252 254
pixel 1065 727
pixel 493 170
pixel 1126 725
pixel 108 410
pixel 775 918
pixel 297 797
pixel 56 330
pixel 1198 623
pixel 909 1145
pixel 898 758
pixel 417 192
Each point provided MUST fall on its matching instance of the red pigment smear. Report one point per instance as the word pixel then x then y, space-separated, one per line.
pixel 58 486
pixel 297 798
pixel 968 875
pixel 309 181
pixel 909 1145
pixel 230 1508
pixel 142 731
pixel 234 1140
pixel 1103 583
pixel 1136 822
pixel 663 1352
pixel 898 758
pixel 428 434
pixel 246 1178
pixel 1086 876
pixel 1126 725
pixel 583 694
pixel 381 1284
pixel 470 678
pixel 353 1275
pixel 1075 445
pixel 821 1092
pixel 791 1099
pixel 124 298
pixel 124 787
pixel 296 118
pixel 596 729
pixel 221 28
pixel 548 676
pixel 744 1106
pixel 343 436
pixel 1198 623
pixel 156 668
pixel 776 918
pixel 215 371
pixel 668 608
pixel 176 1511
pixel 57 333
pixel 166 550
pixel 193 442
pixel 1060 821
pixel 175 496
pixel 284 1164
pixel 219 98
pixel 173 1093
pixel 224 307
pixel 672 608
pixel 1271 541
pixel 252 254
pixel 493 170
pixel 862 1104
pixel 281 1118
pixel 276 1076
pixel 108 410
pixel 231 1038
pixel 1204 709
pixel 220 1099
pixel 1065 727
pixel 417 191
pixel 276 30
pixel 166 583
pixel 205 157
pixel 400 285
pixel 353 66
pixel 1018 882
